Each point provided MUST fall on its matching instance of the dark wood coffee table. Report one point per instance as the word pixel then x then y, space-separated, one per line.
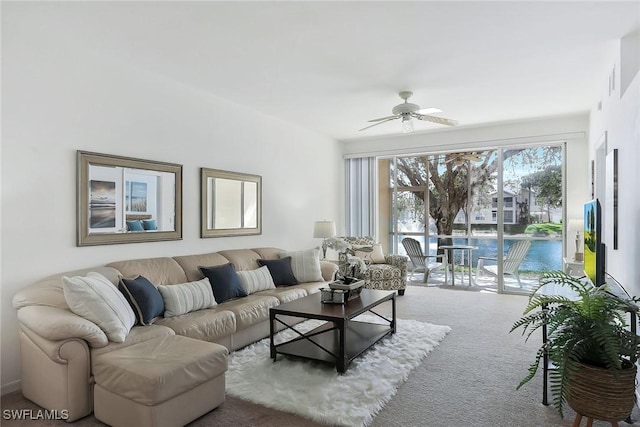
pixel 341 339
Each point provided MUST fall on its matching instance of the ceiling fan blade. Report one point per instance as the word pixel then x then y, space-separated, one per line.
pixel 461 158
pixel 379 123
pixel 434 119
pixel 384 118
pixel 429 110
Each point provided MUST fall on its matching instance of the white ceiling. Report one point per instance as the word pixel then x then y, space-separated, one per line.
pixel 331 66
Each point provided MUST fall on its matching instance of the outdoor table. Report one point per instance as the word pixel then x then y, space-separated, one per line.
pixel 462 248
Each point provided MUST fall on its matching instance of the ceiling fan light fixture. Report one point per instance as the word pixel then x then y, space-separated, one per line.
pixel 407 124
pixel 407 110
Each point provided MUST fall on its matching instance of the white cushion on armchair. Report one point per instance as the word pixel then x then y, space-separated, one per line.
pixel 375 256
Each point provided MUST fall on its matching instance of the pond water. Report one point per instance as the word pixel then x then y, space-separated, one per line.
pixel 544 255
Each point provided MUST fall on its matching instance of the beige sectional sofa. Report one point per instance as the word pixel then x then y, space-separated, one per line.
pixel 61 351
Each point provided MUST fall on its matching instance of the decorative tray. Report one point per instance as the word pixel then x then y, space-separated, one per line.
pixel 339 293
pixel 339 284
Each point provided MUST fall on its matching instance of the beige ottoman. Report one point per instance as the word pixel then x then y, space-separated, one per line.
pixel 166 381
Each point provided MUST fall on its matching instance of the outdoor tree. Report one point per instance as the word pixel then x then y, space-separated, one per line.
pixel 547 185
pixel 448 175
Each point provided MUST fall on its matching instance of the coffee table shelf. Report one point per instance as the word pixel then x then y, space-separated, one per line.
pixel 359 337
pixel 341 339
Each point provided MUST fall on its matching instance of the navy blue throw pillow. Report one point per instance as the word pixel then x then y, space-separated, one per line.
pixel 280 270
pixel 145 299
pixel 225 282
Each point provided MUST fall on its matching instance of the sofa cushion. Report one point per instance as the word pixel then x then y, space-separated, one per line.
pixel 251 310
pixel 256 280
pixel 372 253
pixel 136 335
pixel 225 282
pixel 211 324
pixel 191 263
pixel 285 294
pixel 187 297
pixel 135 225
pixel 145 299
pixel 242 259
pixel 268 253
pixel 48 291
pixel 312 287
pixel 138 373
pixel 60 325
pixel 96 299
pixel 305 265
pixel 280 270
pixel 149 224
pixel 160 271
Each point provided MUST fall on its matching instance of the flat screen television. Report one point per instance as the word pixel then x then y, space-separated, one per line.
pixel 594 250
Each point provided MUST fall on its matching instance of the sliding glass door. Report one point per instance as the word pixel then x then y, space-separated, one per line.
pixel 532 214
pixel 487 199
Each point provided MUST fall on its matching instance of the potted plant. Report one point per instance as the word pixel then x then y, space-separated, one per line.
pixel 592 351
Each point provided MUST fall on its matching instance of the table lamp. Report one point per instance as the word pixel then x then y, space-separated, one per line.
pixel 324 230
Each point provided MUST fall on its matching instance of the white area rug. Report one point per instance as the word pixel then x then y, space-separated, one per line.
pixel 316 390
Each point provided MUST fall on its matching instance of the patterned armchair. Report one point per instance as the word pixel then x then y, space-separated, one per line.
pixel 392 275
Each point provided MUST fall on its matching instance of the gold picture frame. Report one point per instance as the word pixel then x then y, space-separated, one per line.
pixel 127 200
pixel 230 203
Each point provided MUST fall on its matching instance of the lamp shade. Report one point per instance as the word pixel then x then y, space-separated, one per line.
pixel 576 225
pixel 324 229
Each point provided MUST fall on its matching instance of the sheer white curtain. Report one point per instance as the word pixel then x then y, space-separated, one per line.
pixel 361 198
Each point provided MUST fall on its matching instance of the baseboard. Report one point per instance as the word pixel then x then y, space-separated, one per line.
pixel 11 387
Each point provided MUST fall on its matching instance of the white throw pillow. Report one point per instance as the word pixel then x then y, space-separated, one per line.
pixel 256 280
pixel 305 265
pixel 187 297
pixel 376 256
pixel 95 298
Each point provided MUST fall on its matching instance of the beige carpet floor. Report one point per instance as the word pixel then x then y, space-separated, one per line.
pixel 468 380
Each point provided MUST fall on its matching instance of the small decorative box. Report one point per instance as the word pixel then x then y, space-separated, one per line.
pixel 333 296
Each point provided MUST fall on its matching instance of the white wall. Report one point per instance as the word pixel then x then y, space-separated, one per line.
pixel 57 98
pixel 619 117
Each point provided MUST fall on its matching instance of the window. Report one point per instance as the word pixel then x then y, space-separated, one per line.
pixel 454 198
pixel 508 217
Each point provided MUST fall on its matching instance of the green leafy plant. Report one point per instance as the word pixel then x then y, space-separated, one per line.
pixel 586 324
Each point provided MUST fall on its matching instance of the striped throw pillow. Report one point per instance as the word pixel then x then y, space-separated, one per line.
pixel 95 298
pixel 256 280
pixel 305 265
pixel 187 297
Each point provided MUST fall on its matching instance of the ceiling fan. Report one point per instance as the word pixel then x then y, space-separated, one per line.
pixel 407 111
pixel 462 158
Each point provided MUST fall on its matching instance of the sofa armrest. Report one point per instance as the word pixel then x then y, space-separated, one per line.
pixel 328 270
pixel 55 324
pixel 56 375
pixel 399 261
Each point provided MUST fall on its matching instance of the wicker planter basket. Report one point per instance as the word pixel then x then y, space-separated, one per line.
pixel 596 393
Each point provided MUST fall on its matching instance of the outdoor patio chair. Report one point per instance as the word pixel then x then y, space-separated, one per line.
pixel 421 262
pixel 511 264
